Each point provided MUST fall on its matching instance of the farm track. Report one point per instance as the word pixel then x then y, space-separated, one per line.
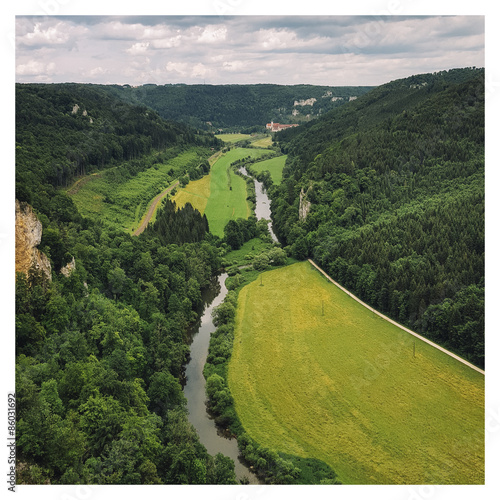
pixel 152 209
pixel 81 182
pixel 458 358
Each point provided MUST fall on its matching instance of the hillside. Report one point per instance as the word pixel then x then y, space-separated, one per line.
pixel 230 106
pixel 100 347
pixel 387 194
pixel 69 130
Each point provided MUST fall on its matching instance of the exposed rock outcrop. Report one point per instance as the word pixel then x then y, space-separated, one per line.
pixel 304 205
pixel 68 268
pixel 28 237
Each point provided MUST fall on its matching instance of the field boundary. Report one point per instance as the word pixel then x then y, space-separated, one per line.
pixel 383 316
pixel 152 208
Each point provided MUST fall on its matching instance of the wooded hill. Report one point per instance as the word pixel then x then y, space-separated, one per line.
pixel 68 130
pixel 393 188
pixel 99 351
pixel 230 106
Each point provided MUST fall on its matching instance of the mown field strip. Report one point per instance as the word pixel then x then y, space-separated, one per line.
pixel 316 374
pixel 470 365
pixel 221 195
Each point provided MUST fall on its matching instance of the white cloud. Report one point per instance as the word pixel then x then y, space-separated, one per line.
pixel 233 65
pixel 199 71
pixel 212 34
pixel 180 68
pixel 167 43
pixel 138 48
pixel 98 71
pixel 246 49
pixel 42 34
pixel 35 68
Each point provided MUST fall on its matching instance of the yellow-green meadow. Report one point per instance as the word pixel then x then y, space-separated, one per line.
pixel 221 195
pixel 313 373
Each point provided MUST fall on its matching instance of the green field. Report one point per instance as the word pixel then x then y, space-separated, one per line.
pixel 221 195
pixel 274 166
pixel 257 140
pixel 231 138
pixel 315 374
pixel 263 142
pixel 123 203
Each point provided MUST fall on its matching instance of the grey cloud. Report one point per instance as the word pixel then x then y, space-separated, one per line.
pixel 248 49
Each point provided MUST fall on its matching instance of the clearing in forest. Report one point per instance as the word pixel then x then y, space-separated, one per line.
pixel 313 373
pixel 221 195
pixel 120 199
pixel 232 138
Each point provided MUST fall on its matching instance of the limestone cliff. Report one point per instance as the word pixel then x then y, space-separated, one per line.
pixel 304 205
pixel 28 237
pixel 68 268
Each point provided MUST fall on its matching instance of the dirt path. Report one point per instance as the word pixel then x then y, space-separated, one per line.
pixel 397 324
pixel 151 210
pixel 81 182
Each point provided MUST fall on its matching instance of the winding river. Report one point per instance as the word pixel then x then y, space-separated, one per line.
pixel 194 389
pixel 263 203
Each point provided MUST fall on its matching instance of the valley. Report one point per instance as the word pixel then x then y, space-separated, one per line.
pixel 313 387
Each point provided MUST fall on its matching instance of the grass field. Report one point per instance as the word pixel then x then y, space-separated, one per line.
pixel 221 195
pixel 315 374
pixel 264 142
pixel 231 138
pixel 257 140
pixel 274 166
pixel 124 203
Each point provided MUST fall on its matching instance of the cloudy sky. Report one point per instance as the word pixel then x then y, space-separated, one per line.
pixel 322 50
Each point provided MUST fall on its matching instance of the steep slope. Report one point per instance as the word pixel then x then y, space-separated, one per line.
pixel 68 130
pixel 395 183
pixel 28 237
pixel 213 106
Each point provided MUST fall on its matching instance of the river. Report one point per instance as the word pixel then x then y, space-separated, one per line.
pixel 194 389
pixel 262 204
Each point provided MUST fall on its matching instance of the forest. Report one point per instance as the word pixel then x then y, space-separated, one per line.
pixel 69 130
pixel 391 188
pixel 99 353
pixel 237 107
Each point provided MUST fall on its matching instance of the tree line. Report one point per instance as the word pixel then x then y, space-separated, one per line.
pixel 229 106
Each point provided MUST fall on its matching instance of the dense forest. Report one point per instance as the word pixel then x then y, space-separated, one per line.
pixel 100 352
pixel 172 225
pixel 237 106
pixel 387 195
pixel 68 130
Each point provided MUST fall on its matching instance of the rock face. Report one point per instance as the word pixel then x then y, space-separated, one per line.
pixel 68 268
pixel 304 205
pixel 28 237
